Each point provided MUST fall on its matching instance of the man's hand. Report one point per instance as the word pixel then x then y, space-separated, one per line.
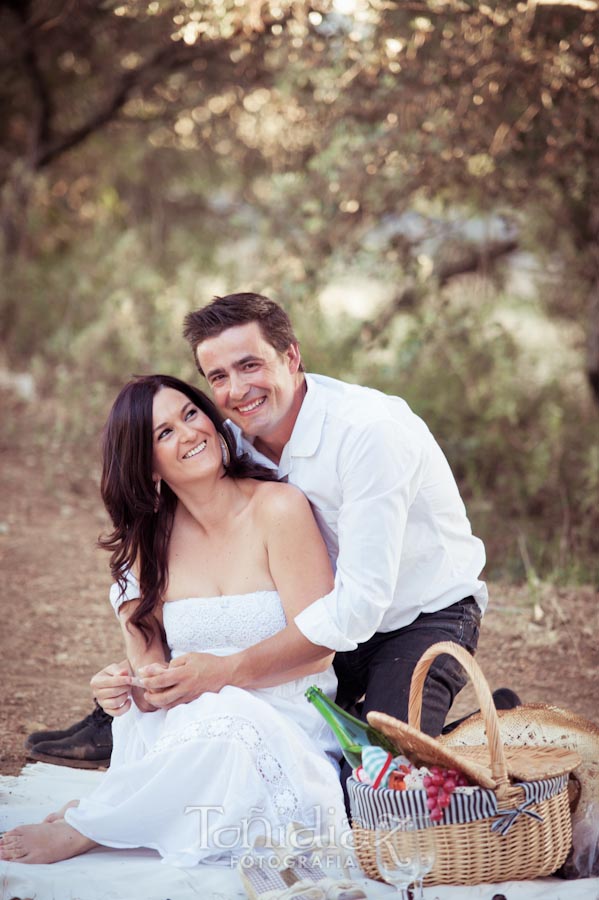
pixel 112 688
pixel 184 680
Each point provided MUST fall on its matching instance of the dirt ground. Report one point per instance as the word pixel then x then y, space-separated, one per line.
pixel 57 627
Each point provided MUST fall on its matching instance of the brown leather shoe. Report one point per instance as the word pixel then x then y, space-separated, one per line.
pixel 85 745
pixel 96 717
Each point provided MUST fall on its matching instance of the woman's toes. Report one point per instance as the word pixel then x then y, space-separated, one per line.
pixel 11 846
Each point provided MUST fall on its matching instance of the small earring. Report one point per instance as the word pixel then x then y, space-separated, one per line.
pixel 157 494
pixel 225 451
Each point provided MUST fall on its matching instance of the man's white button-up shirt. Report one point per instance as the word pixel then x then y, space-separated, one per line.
pixel 388 508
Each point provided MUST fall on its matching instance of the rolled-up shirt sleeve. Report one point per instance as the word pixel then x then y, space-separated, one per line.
pixel 118 596
pixel 380 470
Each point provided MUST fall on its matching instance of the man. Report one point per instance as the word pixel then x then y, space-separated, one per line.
pixel 407 565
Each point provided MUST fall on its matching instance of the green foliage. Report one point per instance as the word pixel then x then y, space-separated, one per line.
pixel 154 153
pixel 523 443
pixel 522 440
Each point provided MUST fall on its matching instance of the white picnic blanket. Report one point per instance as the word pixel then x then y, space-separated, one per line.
pixel 106 874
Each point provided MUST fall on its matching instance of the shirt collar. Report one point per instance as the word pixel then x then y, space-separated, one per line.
pixel 307 430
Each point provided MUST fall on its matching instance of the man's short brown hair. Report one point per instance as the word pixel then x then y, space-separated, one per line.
pixel 240 309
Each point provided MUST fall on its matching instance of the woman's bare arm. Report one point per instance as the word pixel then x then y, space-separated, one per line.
pixel 139 652
pixel 301 570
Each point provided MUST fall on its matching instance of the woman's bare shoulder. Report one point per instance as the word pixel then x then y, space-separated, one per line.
pixel 274 499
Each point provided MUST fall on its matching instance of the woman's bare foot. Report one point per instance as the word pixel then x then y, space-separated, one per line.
pixel 59 814
pixel 45 843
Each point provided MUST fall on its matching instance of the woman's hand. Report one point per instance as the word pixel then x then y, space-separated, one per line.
pixel 112 688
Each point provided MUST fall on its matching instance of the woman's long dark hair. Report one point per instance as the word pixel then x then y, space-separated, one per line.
pixel 142 518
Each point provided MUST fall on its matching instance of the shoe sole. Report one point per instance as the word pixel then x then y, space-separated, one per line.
pixel 72 763
pixel 29 746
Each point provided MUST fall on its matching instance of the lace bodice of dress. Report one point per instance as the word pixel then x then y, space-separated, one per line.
pixel 222 624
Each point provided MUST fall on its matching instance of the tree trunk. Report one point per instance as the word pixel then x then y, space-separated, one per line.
pixel 593 341
pixel 14 204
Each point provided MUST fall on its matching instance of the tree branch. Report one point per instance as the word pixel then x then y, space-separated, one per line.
pixel 174 56
pixel 145 76
pixel 475 260
pixel 44 109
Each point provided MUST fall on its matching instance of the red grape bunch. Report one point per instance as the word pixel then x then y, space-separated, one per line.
pixel 439 787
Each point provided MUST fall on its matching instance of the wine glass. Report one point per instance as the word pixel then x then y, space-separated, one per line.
pixel 397 855
pixel 427 849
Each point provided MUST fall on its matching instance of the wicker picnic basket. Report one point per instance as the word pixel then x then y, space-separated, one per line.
pixel 515 824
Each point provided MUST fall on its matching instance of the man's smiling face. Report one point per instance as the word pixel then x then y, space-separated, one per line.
pixel 253 384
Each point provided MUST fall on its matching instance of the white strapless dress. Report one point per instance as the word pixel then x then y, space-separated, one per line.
pixel 205 779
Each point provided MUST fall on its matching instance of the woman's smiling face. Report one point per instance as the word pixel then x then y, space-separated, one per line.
pixel 185 442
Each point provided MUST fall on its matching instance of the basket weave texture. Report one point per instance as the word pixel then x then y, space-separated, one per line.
pixel 471 852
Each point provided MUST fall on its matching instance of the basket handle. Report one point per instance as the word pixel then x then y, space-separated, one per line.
pixel 483 693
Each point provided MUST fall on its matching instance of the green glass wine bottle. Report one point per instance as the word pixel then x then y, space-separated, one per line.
pixel 351 733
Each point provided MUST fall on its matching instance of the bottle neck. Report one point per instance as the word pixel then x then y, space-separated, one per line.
pixel 350 731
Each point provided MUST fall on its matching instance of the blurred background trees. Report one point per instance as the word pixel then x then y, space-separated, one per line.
pixel 417 182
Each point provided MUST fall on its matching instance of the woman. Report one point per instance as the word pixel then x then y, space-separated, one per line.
pixel 222 560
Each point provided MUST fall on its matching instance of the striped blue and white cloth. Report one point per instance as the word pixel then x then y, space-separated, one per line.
pixel 468 805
